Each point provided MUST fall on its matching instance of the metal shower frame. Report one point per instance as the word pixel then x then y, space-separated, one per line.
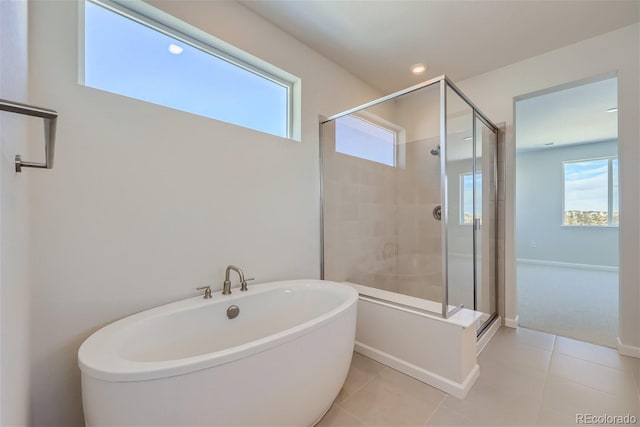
pixel 444 82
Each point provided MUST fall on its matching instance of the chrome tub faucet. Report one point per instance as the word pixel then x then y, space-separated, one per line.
pixel 226 287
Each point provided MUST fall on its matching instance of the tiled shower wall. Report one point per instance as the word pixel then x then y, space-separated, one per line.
pixel 359 214
pixel 419 241
pixel 379 230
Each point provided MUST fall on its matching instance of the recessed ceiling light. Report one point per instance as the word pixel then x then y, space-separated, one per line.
pixel 468 138
pixel 175 49
pixel 612 110
pixel 418 69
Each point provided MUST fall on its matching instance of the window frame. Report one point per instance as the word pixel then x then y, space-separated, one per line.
pixel 610 223
pixel 399 136
pixel 158 20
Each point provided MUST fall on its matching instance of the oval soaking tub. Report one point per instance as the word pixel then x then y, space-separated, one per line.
pixel 281 361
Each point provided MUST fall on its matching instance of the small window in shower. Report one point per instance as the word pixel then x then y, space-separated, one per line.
pixel 367 137
pixel 466 192
pixel 164 61
pixel 591 193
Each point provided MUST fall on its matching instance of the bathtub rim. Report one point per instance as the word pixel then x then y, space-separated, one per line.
pixel 114 368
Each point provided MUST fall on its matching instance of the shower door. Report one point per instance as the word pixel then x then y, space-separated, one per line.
pixel 470 165
pixel 485 213
pixel 461 183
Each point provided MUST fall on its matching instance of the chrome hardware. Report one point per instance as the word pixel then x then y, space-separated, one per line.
pixel 233 311
pixel 50 118
pixel 243 286
pixel 226 287
pixel 207 292
pixel 437 212
pixel 455 310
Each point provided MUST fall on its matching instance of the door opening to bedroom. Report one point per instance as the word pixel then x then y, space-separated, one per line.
pixel 567 210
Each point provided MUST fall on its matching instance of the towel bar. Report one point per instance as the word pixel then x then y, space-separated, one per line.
pixel 50 118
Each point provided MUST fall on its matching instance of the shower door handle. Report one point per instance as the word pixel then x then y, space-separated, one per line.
pixel 476 224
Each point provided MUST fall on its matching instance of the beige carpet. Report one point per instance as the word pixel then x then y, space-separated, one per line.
pixel 575 303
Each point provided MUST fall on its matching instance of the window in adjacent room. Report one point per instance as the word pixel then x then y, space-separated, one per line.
pixel 128 53
pixel 466 193
pixel 591 192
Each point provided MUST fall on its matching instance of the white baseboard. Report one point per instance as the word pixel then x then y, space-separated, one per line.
pixel 512 323
pixel 628 350
pixel 567 265
pixel 458 390
pixel 488 334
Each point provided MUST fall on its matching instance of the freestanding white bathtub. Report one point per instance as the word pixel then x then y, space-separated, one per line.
pixel 281 361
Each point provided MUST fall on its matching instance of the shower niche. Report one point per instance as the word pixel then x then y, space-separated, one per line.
pixel 409 206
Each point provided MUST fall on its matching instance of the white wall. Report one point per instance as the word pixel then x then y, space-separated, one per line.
pixel 146 203
pixel 539 231
pixel 493 92
pixel 14 231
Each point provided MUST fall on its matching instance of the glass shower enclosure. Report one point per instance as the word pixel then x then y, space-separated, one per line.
pixel 409 200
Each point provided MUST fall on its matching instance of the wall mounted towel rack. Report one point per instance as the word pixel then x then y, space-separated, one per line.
pixel 50 118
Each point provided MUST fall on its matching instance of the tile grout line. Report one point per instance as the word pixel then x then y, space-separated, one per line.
pixel 546 379
pixel 373 377
pixel 364 423
pixel 622 371
pixel 436 409
pixel 549 374
pixel 584 385
pixel 527 344
pixel 593 361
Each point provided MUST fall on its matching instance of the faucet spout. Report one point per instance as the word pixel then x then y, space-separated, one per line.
pixel 226 288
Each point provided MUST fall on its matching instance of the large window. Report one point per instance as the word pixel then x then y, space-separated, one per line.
pixel 591 192
pixel 466 192
pixel 130 54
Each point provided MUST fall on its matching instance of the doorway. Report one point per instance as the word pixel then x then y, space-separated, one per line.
pixel 567 210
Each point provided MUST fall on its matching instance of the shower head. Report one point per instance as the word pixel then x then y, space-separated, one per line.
pixel 436 151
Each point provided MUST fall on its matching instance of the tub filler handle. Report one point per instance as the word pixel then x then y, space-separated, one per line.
pixel 207 291
pixel 243 286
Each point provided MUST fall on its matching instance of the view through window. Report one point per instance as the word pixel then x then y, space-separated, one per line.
pixel 591 192
pixel 365 139
pixel 466 184
pixel 143 59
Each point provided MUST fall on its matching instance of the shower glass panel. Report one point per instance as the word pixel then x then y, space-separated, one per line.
pixel 460 200
pixel 381 184
pixel 409 201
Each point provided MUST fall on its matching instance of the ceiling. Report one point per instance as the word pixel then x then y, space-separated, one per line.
pixel 379 41
pixel 574 115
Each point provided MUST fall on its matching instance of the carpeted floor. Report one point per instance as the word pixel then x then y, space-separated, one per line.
pixel 575 303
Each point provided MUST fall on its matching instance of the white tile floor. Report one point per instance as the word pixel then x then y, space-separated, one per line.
pixel 576 303
pixel 526 378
